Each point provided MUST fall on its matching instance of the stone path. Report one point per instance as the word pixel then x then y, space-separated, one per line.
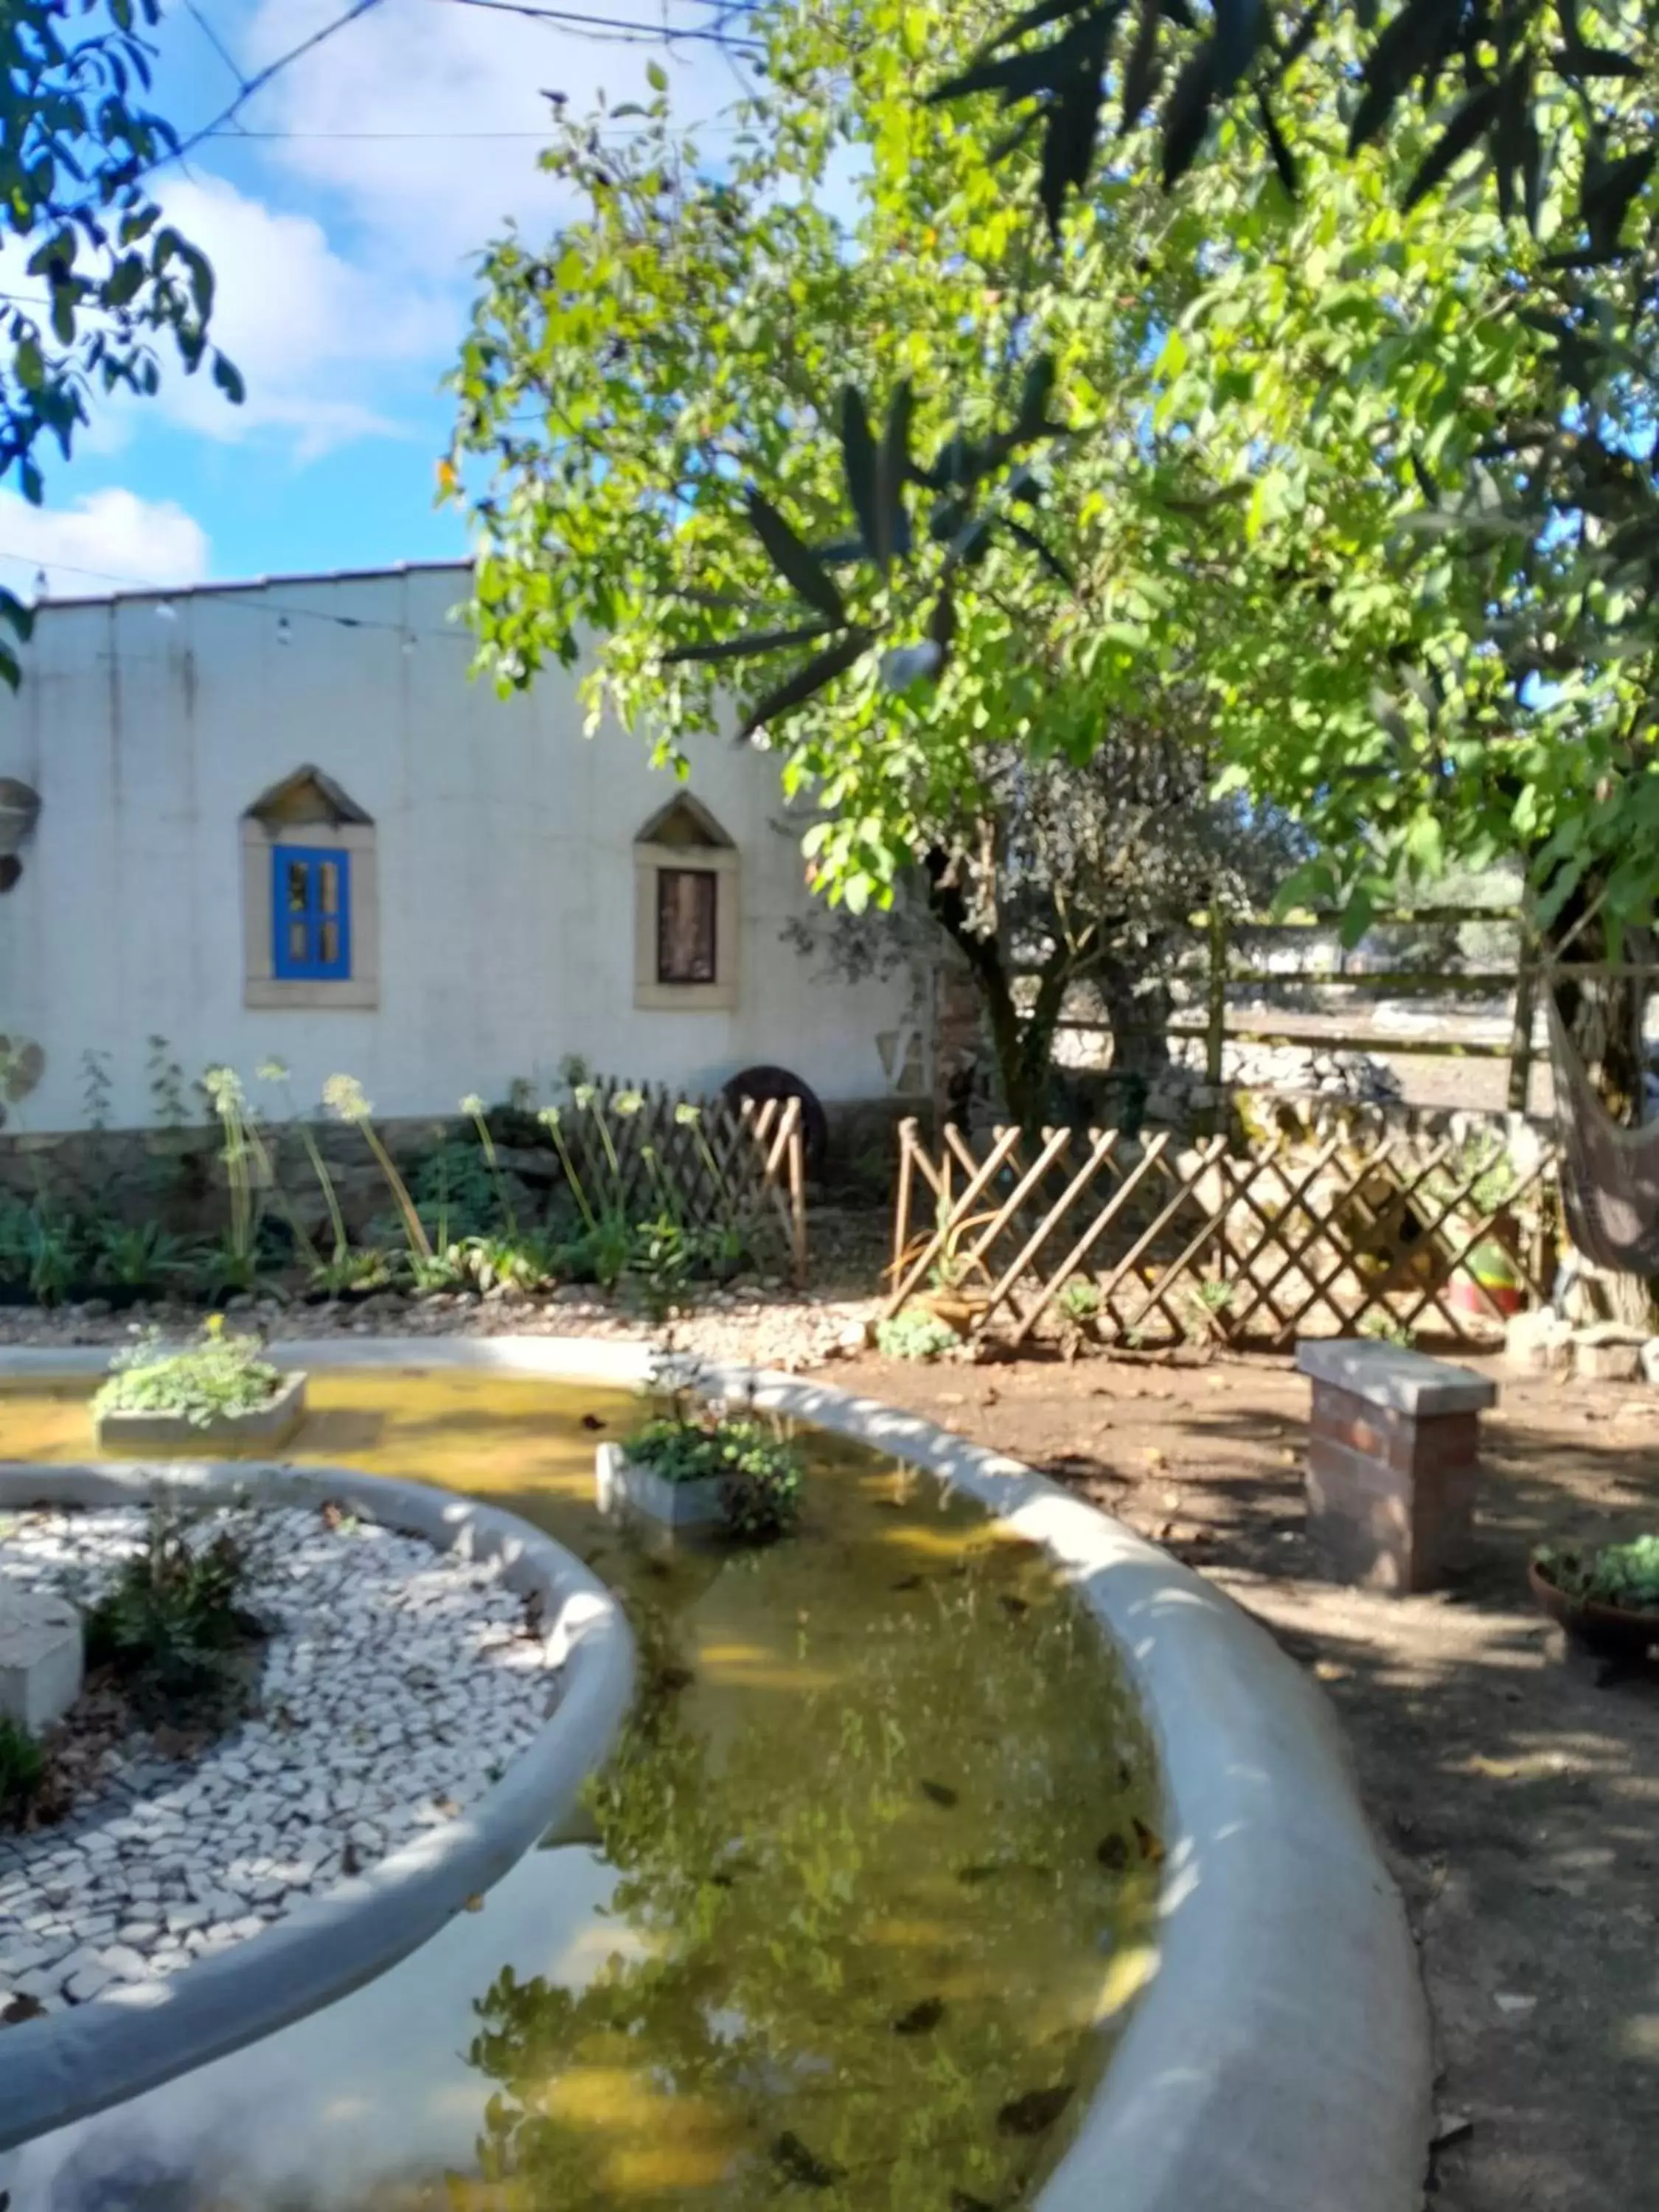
pixel 396 1685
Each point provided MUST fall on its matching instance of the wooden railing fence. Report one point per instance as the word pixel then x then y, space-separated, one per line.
pixel 1382 1226
pixel 1221 969
pixel 713 1165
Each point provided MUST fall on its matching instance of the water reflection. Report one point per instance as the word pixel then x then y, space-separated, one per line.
pixel 866 1868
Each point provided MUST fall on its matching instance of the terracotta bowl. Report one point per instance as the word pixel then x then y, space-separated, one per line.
pixel 1613 1629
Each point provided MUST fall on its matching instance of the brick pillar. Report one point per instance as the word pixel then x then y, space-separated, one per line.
pixel 1394 1448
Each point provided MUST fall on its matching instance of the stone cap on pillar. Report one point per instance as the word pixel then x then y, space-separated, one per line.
pixel 1407 1383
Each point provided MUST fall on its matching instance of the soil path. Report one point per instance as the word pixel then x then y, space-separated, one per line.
pixel 1515 1785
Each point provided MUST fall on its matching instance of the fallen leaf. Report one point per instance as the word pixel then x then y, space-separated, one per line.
pixel 474 1905
pixel 1151 1846
pixel 941 1793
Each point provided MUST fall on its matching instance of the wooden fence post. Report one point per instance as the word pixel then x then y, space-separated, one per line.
pixel 1215 1033
pixel 1526 984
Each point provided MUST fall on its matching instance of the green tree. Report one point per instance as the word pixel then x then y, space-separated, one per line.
pixel 998 614
pixel 113 287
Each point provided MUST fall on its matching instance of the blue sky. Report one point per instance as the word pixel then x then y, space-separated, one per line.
pixel 342 237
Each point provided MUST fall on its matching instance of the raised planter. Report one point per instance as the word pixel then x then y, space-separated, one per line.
pixel 71 2063
pixel 625 1487
pixel 1617 1630
pixel 260 1430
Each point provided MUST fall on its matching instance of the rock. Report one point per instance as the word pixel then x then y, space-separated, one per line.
pixel 1539 1343
pixel 1607 1353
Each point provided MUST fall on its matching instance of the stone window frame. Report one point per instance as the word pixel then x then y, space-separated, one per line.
pixel 308 808
pixel 684 835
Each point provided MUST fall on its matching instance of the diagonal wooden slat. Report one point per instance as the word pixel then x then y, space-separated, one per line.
pixel 1100 1150
pixel 950 1211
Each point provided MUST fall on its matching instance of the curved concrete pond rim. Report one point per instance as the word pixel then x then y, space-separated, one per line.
pixel 72 2064
pixel 1279 2059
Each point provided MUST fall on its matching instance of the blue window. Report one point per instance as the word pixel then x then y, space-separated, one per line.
pixel 311 911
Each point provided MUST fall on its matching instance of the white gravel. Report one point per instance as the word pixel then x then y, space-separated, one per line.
pixel 396 1685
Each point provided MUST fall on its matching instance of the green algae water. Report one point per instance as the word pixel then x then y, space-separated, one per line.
pixel 849 1922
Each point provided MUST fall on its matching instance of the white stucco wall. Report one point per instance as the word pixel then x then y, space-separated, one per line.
pixel 505 852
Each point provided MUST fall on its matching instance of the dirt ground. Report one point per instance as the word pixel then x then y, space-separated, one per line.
pixel 1514 1784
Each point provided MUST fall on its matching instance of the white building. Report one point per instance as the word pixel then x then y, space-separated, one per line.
pixel 279 819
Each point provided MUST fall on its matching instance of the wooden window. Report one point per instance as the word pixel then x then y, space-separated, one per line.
pixel 687 906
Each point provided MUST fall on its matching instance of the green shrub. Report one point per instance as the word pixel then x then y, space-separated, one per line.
pixel 915 1335
pixel 22 1771
pixel 759 1474
pixel 454 1191
pixel 218 1376
pixel 357 1267
pixel 1080 1299
pixel 173 1620
pixel 1626 1575
pixel 138 1256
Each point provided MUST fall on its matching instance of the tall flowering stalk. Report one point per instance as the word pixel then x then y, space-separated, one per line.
pixel 273 1071
pixel 473 1106
pixel 344 1098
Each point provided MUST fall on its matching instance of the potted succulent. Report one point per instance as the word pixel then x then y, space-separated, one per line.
pixel 218 1391
pixel 1605 1597
pixel 704 1469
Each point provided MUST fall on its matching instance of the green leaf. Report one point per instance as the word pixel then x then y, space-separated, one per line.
pixel 1140 71
pixel 1068 143
pixel 793 559
pixel 745 647
pixel 656 76
pixel 1050 560
pixel 806 682
pixel 1468 125
pixel 1186 114
pixel 228 379
pixel 893 473
pixel 859 464
pixel 1284 160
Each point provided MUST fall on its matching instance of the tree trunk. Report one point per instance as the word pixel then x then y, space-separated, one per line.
pixel 1138 1015
pixel 1604 1017
pixel 1023 1043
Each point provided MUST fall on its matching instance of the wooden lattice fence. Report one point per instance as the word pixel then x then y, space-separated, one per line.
pixel 646 1150
pixel 1389 1228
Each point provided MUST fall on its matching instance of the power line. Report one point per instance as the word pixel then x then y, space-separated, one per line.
pixel 622 29
pixel 248 86
pixel 216 41
pixel 435 135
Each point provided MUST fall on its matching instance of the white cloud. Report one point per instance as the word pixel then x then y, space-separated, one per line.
pixel 431 70
pixel 313 336
pixel 105 538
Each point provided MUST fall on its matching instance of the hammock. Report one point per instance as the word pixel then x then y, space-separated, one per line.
pixel 1610 1174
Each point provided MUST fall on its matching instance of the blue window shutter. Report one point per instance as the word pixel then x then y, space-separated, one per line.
pixel 310 913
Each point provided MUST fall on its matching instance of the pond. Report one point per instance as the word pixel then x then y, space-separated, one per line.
pixel 850 1921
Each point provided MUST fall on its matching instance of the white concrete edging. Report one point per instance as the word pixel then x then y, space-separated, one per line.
pixel 72 2063
pixel 1279 2060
